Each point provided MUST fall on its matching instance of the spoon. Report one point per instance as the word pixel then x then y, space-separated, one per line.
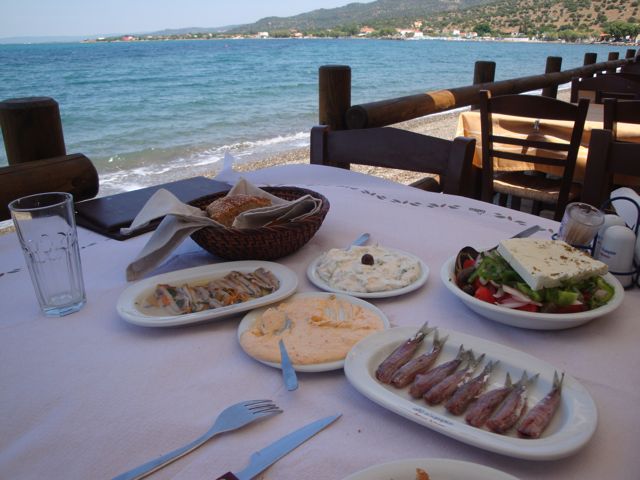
pixel 361 240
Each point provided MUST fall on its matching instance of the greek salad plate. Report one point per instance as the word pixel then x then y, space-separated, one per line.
pixel 133 307
pixel 569 430
pixel 531 320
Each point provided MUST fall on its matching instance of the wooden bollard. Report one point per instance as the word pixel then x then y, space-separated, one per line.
pixel 334 95
pixel 32 129
pixel 483 72
pixel 612 56
pixel 554 64
pixel 631 53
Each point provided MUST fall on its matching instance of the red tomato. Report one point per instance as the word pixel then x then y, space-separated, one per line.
pixel 469 262
pixel 529 307
pixel 484 294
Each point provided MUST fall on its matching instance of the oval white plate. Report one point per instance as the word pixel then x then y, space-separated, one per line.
pixel 250 318
pixel 571 427
pixel 129 302
pixel 437 468
pixel 312 274
pixel 532 320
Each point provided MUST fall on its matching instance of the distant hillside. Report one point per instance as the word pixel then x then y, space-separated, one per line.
pixel 547 18
pixel 378 12
pixel 534 16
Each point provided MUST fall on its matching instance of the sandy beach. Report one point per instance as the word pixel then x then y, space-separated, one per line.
pixel 442 125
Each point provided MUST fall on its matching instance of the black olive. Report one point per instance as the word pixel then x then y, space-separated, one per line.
pixel 367 259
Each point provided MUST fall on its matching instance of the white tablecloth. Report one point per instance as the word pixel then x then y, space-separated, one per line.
pixel 90 396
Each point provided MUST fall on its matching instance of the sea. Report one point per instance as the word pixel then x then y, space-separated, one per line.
pixel 150 112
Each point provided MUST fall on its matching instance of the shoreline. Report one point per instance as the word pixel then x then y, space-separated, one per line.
pixel 441 125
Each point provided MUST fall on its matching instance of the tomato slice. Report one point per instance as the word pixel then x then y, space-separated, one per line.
pixel 484 294
pixel 469 262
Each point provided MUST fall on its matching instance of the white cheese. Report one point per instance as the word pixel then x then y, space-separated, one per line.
pixel 548 263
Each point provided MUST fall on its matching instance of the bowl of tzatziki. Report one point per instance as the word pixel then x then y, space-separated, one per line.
pixel 369 271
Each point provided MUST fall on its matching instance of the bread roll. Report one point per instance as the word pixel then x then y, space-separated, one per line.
pixel 224 210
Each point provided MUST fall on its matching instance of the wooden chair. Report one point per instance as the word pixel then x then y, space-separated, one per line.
pixel 73 173
pixel 400 149
pixel 605 86
pixel 626 111
pixel 541 189
pixel 607 157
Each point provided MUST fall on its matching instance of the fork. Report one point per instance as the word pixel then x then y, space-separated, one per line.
pixel 231 418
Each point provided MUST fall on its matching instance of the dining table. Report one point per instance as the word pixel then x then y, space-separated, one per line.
pixel 544 130
pixel 90 395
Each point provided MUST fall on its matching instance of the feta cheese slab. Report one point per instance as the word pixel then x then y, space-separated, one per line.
pixel 548 263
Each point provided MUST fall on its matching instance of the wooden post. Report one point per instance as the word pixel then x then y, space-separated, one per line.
pixel 612 56
pixel 631 53
pixel 32 129
pixel 554 64
pixel 483 72
pixel 334 95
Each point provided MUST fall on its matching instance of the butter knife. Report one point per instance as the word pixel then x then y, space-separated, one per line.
pixel 288 372
pixel 266 457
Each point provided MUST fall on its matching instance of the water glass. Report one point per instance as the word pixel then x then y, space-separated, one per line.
pixel 580 224
pixel 46 227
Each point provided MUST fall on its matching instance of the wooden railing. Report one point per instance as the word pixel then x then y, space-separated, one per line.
pixel 335 107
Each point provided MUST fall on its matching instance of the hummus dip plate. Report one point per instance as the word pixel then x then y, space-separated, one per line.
pixel 250 318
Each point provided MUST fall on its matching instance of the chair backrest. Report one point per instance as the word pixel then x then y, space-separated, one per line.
pixel 607 157
pixel 73 173
pixel 399 149
pixel 625 111
pixel 605 86
pixel 633 67
pixel 539 108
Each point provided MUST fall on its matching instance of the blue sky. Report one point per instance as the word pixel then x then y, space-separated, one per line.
pixel 95 17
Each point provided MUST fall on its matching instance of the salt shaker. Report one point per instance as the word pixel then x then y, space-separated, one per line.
pixel 617 250
pixel 609 220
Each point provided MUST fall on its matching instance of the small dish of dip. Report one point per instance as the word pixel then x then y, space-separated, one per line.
pixel 369 271
pixel 323 328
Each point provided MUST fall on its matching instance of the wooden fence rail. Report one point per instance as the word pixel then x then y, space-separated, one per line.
pixel 335 95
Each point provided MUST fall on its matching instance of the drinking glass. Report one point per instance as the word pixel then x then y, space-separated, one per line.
pixel 46 227
pixel 580 224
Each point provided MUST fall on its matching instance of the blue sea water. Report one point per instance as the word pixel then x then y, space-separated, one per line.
pixel 150 112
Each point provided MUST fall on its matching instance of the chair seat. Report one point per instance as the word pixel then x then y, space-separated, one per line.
pixel 534 187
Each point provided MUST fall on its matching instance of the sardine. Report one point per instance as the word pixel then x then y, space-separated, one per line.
pixel 537 419
pixel 512 408
pixel 482 409
pixel 444 389
pixel 401 355
pixel 406 374
pixel 424 381
pixel 468 392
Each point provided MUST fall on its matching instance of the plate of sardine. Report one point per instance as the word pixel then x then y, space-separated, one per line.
pixel 205 293
pixel 479 392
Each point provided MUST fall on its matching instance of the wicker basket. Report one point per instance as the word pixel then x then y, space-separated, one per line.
pixel 264 243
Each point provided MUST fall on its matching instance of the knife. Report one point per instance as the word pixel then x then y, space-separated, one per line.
pixel 278 449
pixel 288 372
pixel 528 232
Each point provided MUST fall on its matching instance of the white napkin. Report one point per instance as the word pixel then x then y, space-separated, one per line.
pixel 181 220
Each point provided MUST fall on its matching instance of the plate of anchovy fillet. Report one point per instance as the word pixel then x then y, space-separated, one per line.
pixel 476 391
pixel 209 292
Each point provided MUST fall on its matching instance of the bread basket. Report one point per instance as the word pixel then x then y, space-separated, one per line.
pixel 263 243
